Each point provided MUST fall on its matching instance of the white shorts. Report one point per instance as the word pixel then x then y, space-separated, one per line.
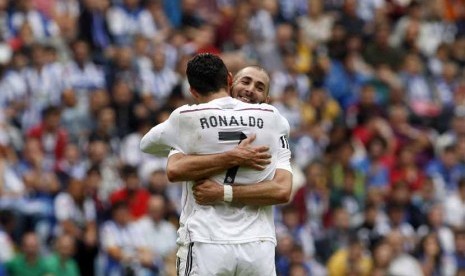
pixel 244 259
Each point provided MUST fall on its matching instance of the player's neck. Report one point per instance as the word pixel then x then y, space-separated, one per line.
pixel 213 96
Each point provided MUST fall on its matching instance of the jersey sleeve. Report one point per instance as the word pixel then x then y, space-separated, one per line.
pixel 284 152
pixel 284 160
pixel 163 137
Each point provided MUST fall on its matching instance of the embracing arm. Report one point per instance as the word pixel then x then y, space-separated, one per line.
pixel 270 192
pixel 162 137
pixel 183 167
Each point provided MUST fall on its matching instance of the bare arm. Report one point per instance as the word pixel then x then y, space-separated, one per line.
pixel 183 167
pixel 270 192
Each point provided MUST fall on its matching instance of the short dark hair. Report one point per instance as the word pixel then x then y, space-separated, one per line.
pixel 207 74
pixel 128 170
pixel 51 110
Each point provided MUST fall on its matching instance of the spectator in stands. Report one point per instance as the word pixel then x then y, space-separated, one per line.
pixel 459 254
pixel 435 224
pixel 402 263
pixel 312 200
pixel 382 257
pixel 83 75
pixel 52 137
pixel 25 13
pixel 136 197
pixel 120 242
pixel 76 217
pixel 301 233
pixel 61 262
pixel 158 235
pixel 29 261
pixel 100 156
pixel 6 241
pixel 454 207
pixel 350 261
pixel 129 19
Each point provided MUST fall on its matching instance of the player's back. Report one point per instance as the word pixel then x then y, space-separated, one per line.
pixel 216 127
pixel 220 125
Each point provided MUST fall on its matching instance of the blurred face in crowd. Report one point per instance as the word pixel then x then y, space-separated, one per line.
pixel 121 215
pixel 3 4
pixel 290 218
pixel 251 85
pixel 341 219
pixel 376 148
pixel 98 100
pixel 76 189
pixel 436 216
pixel 382 35
pixel 98 151
pixel 123 58
pixel 355 251
pixel 460 242
pixel 157 208
pixel 382 255
pixel 131 3
pixel 72 153
pixel 158 60
pixel 38 56
pixel 285 245
pixel 93 179
pixel 400 193
pixel 298 270
pixel 122 94
pixel 370 215
pixel 32 150
pixel 317 97
pixel 65 246
pixel 396 215
pixel 30 245
pixel 81 52
pixel 69 98
pixel 315 176
pixel 427 190
pixel 396 241
pixel 158 181
pixel 431 245
pixel 106 119
pixel 368 95
pixel 25 5
pixel 413 64
pixel 52 121
pixel 132 182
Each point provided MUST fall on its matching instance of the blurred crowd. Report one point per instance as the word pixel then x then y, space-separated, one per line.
pixel 374 91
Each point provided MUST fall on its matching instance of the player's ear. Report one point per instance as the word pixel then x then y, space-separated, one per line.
pixel 267 99
pixel 230 79
pixel 194 93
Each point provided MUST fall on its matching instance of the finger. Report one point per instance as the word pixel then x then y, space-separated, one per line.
pixel 262 149
pixel 248 140
pixel 263 156
pixel 258 167
pixel 263 162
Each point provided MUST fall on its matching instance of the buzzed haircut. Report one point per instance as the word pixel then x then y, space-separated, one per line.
pixel 259 68
pixel 207 74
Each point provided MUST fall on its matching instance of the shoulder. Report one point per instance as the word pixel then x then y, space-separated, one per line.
pixel 195 107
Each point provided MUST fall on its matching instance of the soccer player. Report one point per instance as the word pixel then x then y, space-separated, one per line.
pixel 250 85
pixel 227 238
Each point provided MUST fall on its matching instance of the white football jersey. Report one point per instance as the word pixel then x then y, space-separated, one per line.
pixel 216 127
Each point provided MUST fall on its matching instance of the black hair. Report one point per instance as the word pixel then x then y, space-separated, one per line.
pixel 128 170
pixel 50 110
pixel 207 74
pixel 118 206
